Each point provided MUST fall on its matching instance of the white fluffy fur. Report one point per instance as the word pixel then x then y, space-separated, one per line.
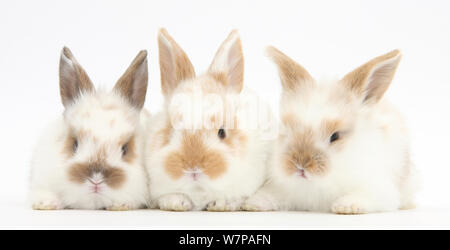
pixel 245 170
pixel 101 122
pixel 50 187
pixel 371 173
pixel 244 175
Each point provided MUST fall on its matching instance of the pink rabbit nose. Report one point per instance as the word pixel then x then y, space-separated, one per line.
pixel 301 171
pixel 96 178
pixel 96 182
pixel 194 173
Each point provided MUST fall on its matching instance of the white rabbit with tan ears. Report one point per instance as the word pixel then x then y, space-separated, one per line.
pixel 342 147
pixel 92 157
pixel 199 156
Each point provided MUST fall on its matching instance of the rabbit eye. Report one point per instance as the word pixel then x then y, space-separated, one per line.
pixel 75 145
pixel 221 133
pixel 334 137
pixel 124 149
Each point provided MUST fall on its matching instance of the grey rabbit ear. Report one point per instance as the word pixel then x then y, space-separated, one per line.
pixel 133 83
pixel 175 65
pixel 73 80
pixel 372 79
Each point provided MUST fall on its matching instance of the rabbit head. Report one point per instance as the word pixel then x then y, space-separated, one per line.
pixel 101 149
pixel 201 138
pixel 323 122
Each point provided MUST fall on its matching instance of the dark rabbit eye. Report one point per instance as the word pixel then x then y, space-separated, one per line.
pixel 334 137
pixel 75 145
pixel 221 133
pixel 124 149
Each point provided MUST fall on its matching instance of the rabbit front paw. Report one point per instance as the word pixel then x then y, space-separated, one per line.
pixel 346 205
pixel 47 205
pixel 259 203
pixel 175 202
pixel 224 205
pixel 118 207
pixel 45 200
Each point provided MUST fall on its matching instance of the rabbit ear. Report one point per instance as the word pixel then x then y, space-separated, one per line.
pixel 175 66
pixel 229 59
pixel 133 83
pixel 291 73
pixel 73 80
pixel 372 79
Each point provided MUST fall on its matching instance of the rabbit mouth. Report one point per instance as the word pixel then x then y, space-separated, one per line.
pixel 96 186
pixel 95 189
pixel 300 172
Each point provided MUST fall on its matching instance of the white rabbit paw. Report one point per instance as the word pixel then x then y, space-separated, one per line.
pixel 259 204
pixel 47 205
pixel 45 200
pixel 118 207
pixel 224 205
pixel 175 202
pixel 348 206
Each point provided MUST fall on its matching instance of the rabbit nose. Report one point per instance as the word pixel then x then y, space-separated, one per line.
pixel 96 178
pixel 194 170
pixel 95 182
pixel 194 173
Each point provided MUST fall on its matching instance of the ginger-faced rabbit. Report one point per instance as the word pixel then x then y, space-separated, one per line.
pixel 207 161
pixel 342 148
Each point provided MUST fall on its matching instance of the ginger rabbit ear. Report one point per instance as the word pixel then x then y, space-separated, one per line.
pixel 175 66
pixel 133 83
pixel 73 80
pixel 293 76
pixel 372 79
pixel 229 60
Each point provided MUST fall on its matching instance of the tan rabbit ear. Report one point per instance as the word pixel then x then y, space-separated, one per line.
pixel 73 80
pixel 133 83
pixel 229 60
pixel 175 66
pixel 372 79
pixel 293 75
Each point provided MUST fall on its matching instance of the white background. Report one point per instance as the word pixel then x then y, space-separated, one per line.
pixel 329 38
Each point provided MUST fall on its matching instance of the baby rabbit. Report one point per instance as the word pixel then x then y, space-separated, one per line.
pixel 198 154
pixel 342 148
pixel 91 158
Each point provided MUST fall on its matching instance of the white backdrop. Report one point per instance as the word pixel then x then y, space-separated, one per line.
pixel 329 38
